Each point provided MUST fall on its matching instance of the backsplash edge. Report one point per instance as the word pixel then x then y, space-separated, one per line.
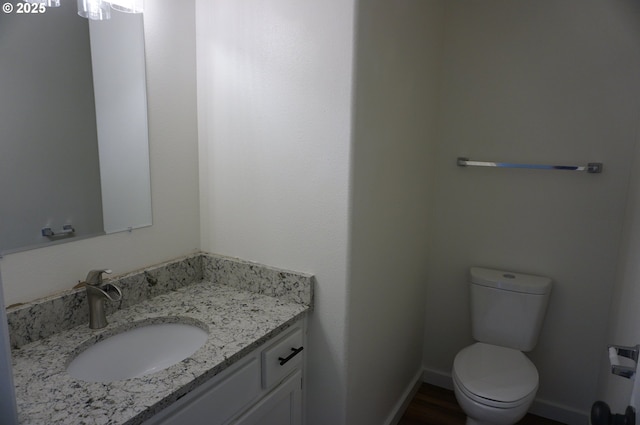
pixel 46 316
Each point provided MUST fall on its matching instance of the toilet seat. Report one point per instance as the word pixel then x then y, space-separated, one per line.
pixel 495 376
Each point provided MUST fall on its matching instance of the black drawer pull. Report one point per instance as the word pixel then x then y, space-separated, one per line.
pixel 292 355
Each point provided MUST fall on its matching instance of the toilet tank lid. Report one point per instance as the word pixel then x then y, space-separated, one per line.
pixel 510 281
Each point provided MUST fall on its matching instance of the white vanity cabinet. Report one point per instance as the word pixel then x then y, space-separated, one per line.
pixel 282 406
pixel 264 387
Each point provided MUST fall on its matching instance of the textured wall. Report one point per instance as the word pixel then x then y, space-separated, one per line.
pixel 274 119
pixel 536 82
pixel 395 117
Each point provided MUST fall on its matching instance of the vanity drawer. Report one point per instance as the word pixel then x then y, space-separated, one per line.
pixel 282 357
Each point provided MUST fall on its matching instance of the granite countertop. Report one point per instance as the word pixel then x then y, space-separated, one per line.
pixel 237 320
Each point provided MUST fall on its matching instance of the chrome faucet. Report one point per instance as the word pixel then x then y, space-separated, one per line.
pixel 97 296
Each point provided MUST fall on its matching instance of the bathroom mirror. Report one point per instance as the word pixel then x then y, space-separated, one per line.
pixel 74 151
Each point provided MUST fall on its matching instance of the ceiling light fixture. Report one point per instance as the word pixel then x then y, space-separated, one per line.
pixel 99 10
pixel 95 10
pixel 48 3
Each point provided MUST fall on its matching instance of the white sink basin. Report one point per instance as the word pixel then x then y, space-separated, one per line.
pixel 136 352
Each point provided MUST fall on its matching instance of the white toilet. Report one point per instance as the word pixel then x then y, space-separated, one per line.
pixel 494 382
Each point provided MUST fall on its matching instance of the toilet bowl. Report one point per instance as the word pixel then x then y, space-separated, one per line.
pixel 494 381
pixel 494 385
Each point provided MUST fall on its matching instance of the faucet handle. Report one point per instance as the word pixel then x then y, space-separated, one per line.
pixel 94 277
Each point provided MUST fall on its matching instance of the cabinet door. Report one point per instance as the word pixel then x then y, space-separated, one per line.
pixel 282 406
pixel 218 401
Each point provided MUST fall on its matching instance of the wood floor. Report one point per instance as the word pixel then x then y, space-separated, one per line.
pixel 437 406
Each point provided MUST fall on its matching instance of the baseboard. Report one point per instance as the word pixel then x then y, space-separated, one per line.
pixel 405 399
pixel 559 413
pixel 546 409
pixel 437 378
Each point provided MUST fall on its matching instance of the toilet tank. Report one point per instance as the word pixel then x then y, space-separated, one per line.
pixel 507 309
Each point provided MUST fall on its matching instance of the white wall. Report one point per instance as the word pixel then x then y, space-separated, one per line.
pixel 170 41
pixel 398 47
pixel 274 116
pixel 537 82
pixel 623 325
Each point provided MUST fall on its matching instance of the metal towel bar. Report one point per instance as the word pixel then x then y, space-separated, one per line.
pixel 592 167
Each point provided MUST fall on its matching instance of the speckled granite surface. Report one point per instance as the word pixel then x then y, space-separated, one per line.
pixel 44 317
pixel 241 303
pixel 287 285
pixel 238 321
